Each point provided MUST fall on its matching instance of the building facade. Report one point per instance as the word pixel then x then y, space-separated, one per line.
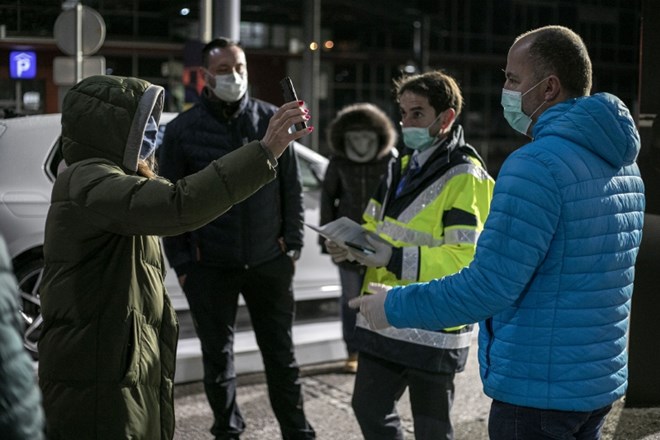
pixel 363 46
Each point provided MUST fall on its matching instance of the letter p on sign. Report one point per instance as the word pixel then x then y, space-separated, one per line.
pixel 22 64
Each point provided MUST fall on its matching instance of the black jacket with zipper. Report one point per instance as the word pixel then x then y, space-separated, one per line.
pixel 250 233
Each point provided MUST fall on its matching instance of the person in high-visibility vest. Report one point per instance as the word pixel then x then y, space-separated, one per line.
pixel 423 223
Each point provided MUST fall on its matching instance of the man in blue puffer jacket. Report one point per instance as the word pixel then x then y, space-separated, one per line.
pixel 552 278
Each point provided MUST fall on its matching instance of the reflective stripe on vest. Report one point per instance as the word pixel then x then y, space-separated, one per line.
pixel 431 193
pixel 373 209
pixel 447 341
pixel 410 263
pixel 402 233
pixel 410 256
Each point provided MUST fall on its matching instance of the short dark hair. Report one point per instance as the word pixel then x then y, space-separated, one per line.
pixel 217 43
pixel 557 50
pixel 441 89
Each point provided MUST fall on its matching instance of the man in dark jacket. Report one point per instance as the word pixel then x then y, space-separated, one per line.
pixel 251 250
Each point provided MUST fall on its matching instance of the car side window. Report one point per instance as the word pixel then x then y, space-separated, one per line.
pixel 310 181
pixel 55 160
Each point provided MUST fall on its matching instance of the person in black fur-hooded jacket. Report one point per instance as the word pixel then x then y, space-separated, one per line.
pixel 362 141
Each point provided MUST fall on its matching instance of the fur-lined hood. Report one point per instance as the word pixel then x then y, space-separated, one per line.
pixel 358 117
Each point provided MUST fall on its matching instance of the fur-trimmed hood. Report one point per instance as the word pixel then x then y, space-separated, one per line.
pixel 361 116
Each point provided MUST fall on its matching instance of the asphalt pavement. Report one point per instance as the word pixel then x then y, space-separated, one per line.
pixel 328 407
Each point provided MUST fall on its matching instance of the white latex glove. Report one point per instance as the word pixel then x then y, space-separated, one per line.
pixel 381 255
pixel 338 253
pixel 372 306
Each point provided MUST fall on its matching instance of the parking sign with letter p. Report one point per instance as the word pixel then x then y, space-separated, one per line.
pixel 22 64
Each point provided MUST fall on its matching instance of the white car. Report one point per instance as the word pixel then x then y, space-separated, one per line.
pixel 29 156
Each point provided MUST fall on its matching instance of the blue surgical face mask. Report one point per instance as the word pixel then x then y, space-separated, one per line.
pixel 513 113
pixel 418 138
pixel 149 140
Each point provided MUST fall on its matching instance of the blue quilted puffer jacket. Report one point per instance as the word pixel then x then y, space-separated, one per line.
pixel 552 278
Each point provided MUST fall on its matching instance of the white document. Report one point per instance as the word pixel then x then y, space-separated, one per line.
pixel 346 233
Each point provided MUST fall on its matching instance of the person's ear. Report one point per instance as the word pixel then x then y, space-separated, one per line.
pixel 553 89
pixel 447 119
pixel 204 74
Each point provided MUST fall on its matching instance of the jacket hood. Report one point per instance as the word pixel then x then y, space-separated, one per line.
pixel 361 116
pixel 601 123
pixel 105 117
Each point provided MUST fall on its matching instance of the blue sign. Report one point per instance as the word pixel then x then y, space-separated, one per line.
pixel 22 64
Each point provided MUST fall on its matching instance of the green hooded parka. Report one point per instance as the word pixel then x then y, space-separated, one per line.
pixel 108 345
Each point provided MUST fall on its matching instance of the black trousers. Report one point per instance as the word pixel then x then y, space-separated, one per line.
pixel 212 294
pixel 379 384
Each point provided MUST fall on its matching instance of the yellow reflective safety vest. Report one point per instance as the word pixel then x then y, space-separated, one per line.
pixel 433 222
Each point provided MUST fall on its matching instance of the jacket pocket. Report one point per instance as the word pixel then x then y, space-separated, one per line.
pixel 132 369
pixel 489 332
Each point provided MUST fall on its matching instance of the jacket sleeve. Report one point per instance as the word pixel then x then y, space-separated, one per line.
pixel 291 195
pixel 517 235
pixel 21 416
pixel 133 205
pixel 330 192
pixel 171 165
pixel 462 208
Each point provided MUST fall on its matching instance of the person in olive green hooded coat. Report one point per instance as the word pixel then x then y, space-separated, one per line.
pixel 108 345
